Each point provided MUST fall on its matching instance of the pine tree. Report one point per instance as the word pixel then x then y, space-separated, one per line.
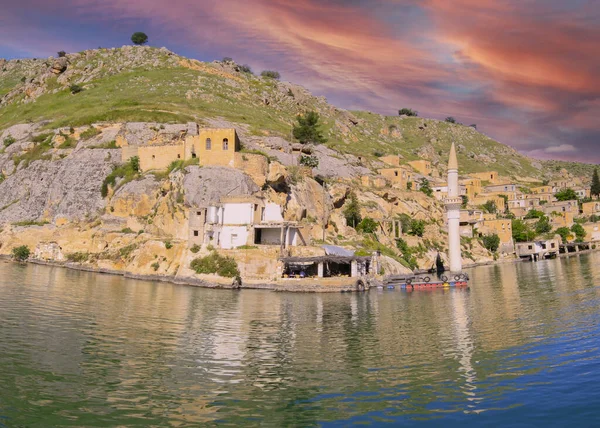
pixel 307 130
pixel 352 211
pixel 595 191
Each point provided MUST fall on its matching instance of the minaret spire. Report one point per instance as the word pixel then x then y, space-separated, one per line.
pixel 453 203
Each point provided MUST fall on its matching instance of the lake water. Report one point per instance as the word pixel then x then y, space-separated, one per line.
pixel 519 348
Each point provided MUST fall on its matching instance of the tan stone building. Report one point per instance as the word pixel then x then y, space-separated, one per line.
pixel 393 160
pixel 491 176
pixel 591 208
pixel 422 166
pixel 472 187
pixel 398 176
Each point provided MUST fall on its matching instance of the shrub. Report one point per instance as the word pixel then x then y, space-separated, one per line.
pixel 195 248
pixel 409 185
pixel 21 253
pixel 89 133
pixel 491 242
pixel 155 266
pixel 244 68
pixel 465 201
pixel 534 214
pixel 417 227
pixel 310 161
pixel 215 263
pixel 247 247
pixel 407 112
pixel 490 207
pixel 425 187
pixel 270 74
pixel 61 54
pixel 9 140
pixel 473 125
pixel 564 233
pixel 378 154
pixel 139 38
pixel 367 225
pixel 2 177
pixel 78 257
pixel 543 225
pixel 126 171
pixel 42 137
pixel 127 230
pixel 307 130
pixel 407 254
pixel 227 59
pixel 168 245
pixel 75 89
pixel 450 119
pixel 579 232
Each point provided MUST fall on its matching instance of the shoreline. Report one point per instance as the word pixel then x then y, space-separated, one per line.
pixel 291 288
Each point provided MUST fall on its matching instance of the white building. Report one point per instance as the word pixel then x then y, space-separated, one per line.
pixel 240 221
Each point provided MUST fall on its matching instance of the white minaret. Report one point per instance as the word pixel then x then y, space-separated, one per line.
pixel 453 203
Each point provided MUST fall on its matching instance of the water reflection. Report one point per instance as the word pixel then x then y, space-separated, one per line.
pixel 85 349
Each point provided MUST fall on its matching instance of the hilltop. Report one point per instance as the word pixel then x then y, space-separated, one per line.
pixel 145 84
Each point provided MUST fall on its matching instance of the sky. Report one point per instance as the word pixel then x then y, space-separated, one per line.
pixel 526 72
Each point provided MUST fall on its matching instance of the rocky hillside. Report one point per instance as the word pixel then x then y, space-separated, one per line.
pixel 145 84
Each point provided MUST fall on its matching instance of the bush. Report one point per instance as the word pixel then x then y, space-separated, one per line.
pixel 543 225
pixel 270 74
pixel 579 232
pixel 310 161
pixel 168 245
pixel 155 266
pixel 195 248
pixel 90 132
pixel 425 187
pixel 465 201
pixel 407 112
pixel 490 207
pixel 75 89
pixel 307 130
pixel 9 140
pixel 534 214
pixel 378 154
pixel 61 54
pixel 127 230
pixel 139 38
pixel 244 68
pixel 126 171
pixel 521 231
pixel 78 257
pixel 409 185
pixel 564 233
pixel 21 253
pixel 227 59
pixel 367 225
pixel 407 254
pixel 491 242
pixel 417 228
pixel 215 263
pixel 450 119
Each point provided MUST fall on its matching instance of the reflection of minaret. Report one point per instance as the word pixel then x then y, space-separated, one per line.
pixel 453 203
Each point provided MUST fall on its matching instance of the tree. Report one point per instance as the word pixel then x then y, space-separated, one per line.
pixel 310 161
pixel 579 232
pixel 564 233
pixel 543 225
pixel 271 74
pixel 534 214
pixel 61 54
pixel 352 211
pixel 307 130
pixel 409 185
pixel 367 225
pixel 473 125
pixel 450 119
pixel 595 190
pixel 566 195
pixel 407 112
pixel 490 207
pixel 139 38
pixel 227 59
pixel 425 187
pixel 75 89
pixel 491 242
pixel 521 231
pixel 21 253
pixel 465 201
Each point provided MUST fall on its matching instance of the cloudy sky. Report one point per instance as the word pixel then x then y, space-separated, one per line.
pixel 527 72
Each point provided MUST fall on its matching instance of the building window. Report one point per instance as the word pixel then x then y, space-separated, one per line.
pixel 530 247
pixel 552 245
pixel 199 213
pixel 225 144
pixel 153 157
pixel 396 173
pixel 178 156
pixel 208 144
pixel 193 155
pixel 195 233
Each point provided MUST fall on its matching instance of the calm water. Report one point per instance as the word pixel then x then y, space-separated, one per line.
pixel 519 348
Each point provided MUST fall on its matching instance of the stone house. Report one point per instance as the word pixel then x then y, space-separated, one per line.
pixel 491 176
pixel 591 208
pixel 422 166
pixel 537 250
pixel 501 227
pixel 399 176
